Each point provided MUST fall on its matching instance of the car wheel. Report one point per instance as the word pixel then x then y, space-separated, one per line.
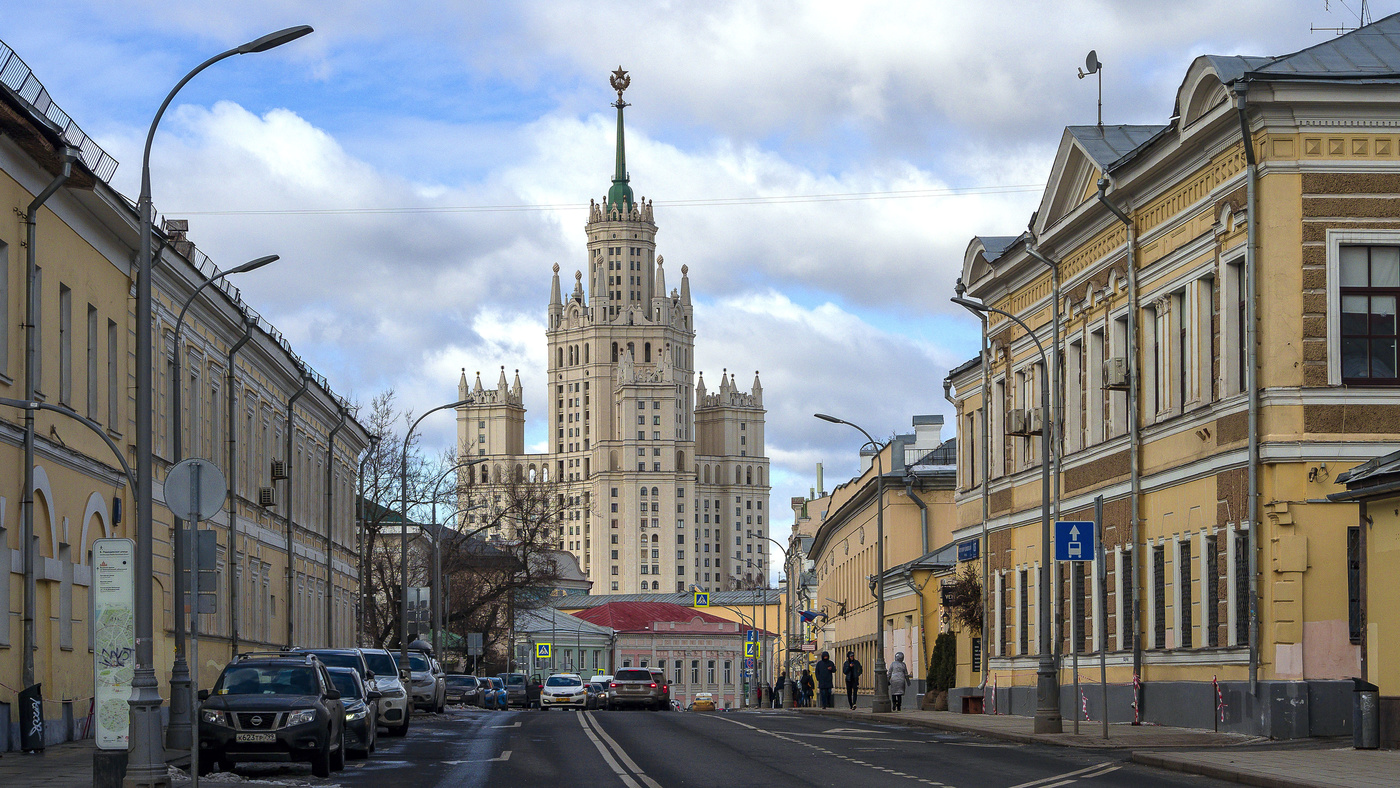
pixel 338 759
pixel 321 761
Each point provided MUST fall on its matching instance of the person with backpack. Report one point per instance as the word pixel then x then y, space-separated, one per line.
pixel 852 669
pixel 807 688
pixel 826 679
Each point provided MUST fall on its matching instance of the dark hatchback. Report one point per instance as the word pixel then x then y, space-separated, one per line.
pixel 522 690
pixel 361 716
pixel 273 707
pixel 462 689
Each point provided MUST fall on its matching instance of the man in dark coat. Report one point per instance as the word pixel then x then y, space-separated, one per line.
pixel 826 677
pixel 852 669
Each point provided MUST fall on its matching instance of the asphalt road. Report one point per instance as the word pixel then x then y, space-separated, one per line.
pixel 778 749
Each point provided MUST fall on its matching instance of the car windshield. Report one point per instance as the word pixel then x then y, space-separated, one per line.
pixel 461 681
pixel 637 674
pixel 417 661
pixel 514 678
pixel 498 684
pixel 563 681
pixel 381 663
pixel 485 683
pixel 268 680
pixel 346 683
pixel 332 659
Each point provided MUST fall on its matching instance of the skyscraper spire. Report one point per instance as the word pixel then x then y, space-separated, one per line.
pixel 660 278
pixel 620 192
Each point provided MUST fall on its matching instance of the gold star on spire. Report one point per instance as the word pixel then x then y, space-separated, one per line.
pixel 620 81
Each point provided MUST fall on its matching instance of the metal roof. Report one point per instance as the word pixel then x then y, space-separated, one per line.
pixel 639 616
pixel 770 596
pixel 1369 52
pixel 550 620
pixel 1107 144
pixel 993 246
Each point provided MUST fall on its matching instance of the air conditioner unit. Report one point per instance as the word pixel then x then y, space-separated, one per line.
pixel 267 497
pixel 1035 420
pixel 1115 373
pixel 1016 422
pixel 279 470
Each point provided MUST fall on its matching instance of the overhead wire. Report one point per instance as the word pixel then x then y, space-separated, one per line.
pixel 692 203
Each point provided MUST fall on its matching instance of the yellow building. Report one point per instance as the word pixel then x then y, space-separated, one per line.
pixel 237 377
pixel 919 519
pixel 1227 347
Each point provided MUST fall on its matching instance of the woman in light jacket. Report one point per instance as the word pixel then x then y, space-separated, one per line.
pixel 899 680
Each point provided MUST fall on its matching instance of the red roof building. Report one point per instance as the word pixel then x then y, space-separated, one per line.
pixel 697 651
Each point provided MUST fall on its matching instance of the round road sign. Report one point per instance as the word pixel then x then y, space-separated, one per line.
pixel 195 489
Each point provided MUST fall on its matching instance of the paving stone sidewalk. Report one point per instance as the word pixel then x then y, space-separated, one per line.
pixel 1276 768
pixel 67 765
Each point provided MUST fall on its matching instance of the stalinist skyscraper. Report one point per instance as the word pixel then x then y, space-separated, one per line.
pixel 666 482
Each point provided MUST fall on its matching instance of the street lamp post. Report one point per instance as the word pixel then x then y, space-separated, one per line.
pixel 436 599
pixel 1047 710
pixel 178 734
pixel 403 530
pixel 788 608
pixel 881 702
pixel 146 765
pixel 360 539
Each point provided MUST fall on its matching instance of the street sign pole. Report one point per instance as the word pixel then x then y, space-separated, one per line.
pixel 1103 610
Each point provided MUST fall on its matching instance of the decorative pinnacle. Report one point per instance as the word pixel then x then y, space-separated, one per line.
pixel 685 269
pixel 620 81
pixel 556 268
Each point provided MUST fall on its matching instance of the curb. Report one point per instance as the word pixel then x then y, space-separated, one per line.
pixel 1220 772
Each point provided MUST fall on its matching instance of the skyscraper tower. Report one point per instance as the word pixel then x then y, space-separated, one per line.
pixel 622 419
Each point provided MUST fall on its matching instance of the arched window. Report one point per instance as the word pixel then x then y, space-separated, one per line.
pixel 646 349
pixel 748 475
pixel 738 474
pixel 585 352
pixel 654 538
pixel 614 358
pixel 707 474
pixel 656 491
pixel 655 585
pixel 760 476
pixel 632 350
pixel 485 474
pixel 644 491
pixel 560 358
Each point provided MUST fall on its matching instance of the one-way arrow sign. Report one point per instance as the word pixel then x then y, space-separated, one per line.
pixel 1074 540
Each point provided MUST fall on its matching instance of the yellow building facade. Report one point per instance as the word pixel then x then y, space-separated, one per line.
pixel 86 237
pixel 1225 350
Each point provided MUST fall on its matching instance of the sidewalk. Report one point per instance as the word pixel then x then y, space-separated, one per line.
pixel 67 765
pixel 1021 729
pixel 1336 768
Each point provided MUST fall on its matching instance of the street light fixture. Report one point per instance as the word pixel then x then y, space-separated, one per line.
pixel 146 767
pixel 178 733
pixel 881 703
pixel 403 530
pixel 1047 692
pixel 436 599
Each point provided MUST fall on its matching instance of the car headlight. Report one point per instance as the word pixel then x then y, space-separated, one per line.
pixel 394 692
pixel 356 715
pixel 215 718
pixel 301 717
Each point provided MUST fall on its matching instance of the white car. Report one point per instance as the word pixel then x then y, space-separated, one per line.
pixel 395 707
pixel 563 690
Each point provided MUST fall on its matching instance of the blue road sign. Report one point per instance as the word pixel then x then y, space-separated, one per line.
pixel 1074 540
pixel 752 636
pixel 701 599
pixel 967 551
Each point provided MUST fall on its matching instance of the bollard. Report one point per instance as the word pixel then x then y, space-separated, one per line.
pixel 108 768
pixel 1365 715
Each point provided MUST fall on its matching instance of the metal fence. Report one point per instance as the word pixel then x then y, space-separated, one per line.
pixel 17 76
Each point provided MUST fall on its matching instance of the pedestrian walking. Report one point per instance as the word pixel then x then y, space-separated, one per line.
pixel 899 681
pixel 808 687
pixel 778 690
pixel 826 679
pixel 852 669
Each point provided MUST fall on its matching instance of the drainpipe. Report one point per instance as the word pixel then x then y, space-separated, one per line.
pixel 1251 374
pixel 923 507
pixel 291 545
pixel 986 546
pixel 330 564
pixel 31 384
pixel 1134 434
pixel 1057 406
pixel 231 424
pixel 923 620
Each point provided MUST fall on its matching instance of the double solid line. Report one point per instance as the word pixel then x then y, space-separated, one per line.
pixel 617 759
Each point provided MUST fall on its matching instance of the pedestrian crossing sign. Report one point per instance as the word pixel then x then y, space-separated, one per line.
pixel 751 649
pixel 702 599
pixel 542 651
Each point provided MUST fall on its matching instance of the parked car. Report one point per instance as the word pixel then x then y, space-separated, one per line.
pixel 638 687
pixel 524 690
pixel 428 681
pixel 563 691
pixel 272 706
pixel 462 689
pixel 597 695
pixel 704 701
pixel 486 692
pixel 345 658
pixel 395 708
pixel 500 695
pixel 361 714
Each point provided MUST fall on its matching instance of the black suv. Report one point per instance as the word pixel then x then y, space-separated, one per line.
pixel 522 690
pixel 272 706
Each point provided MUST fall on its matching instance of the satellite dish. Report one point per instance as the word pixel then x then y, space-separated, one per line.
pixel 1091 63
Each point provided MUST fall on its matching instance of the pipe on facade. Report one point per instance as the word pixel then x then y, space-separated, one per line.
pixel 362 599
pixel 1057 407
pixel 291 478
pixel 1251 373
pixel 923 510
pixel 31 384
pixel 330 500
pixel 1134 432
pixel 231 426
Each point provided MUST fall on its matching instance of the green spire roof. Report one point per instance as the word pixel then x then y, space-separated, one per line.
pixel 620 192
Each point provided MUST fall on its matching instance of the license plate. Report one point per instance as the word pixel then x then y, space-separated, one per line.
pixel 255 738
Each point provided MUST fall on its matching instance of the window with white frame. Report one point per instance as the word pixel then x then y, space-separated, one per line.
pixel 1369 284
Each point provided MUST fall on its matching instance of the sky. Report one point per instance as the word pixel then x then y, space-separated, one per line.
pixel 421 166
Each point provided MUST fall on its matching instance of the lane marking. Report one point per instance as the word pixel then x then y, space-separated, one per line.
pixel 1100 773
pixel 858 738
pixel 512 725
pixel 1050 782
pixel 612 764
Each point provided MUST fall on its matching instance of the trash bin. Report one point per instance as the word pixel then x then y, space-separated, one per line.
pixel 1365 715
pixel 972 704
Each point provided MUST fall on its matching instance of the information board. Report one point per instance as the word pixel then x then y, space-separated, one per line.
pixel 114 641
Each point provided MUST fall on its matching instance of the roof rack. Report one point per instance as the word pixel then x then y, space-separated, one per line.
pixel 306 657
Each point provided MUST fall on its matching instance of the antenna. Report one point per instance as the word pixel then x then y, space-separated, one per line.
pixel 1363 18
pixel 1093 66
